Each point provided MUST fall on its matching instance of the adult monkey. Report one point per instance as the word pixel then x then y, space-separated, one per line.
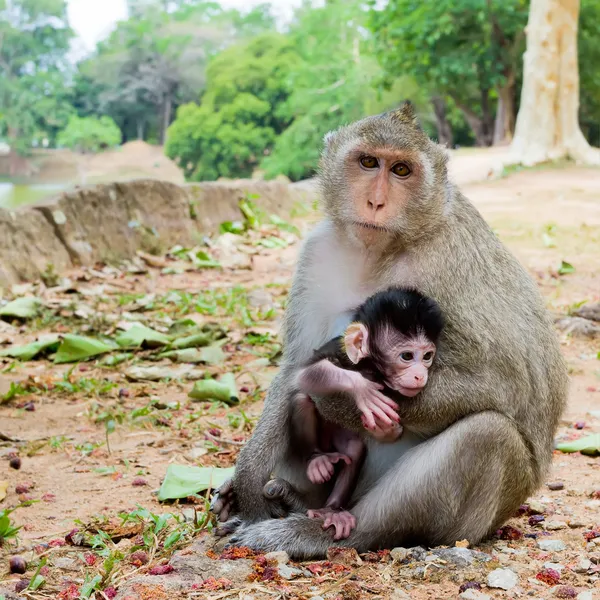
pixel 478 438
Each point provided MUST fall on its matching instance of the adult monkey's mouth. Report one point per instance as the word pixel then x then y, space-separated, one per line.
pixel 372 226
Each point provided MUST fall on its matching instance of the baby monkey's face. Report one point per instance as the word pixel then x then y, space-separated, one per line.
pixel 405 361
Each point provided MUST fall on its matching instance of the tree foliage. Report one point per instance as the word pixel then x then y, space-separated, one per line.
pixel 89 134
pixel 240 115
pixel 34 95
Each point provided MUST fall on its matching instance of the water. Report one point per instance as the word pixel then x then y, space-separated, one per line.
pixel 13 195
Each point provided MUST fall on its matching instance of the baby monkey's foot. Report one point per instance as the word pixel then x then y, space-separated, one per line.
pixel 341 520
pixel 320 466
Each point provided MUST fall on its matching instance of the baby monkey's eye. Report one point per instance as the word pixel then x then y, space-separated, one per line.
pixel 406 356
pixel 369 162
pixel 401 169
pixel 428 356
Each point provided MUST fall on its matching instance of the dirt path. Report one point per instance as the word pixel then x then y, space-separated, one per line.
pixel 62 416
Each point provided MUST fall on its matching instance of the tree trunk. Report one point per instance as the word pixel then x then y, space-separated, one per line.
pixel 444 129
pixel 504 126
pixel 166 119
pixel 140 129
pixel 480 127
pixel 547 124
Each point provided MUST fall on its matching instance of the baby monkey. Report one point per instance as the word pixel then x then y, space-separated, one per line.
pixel 385 352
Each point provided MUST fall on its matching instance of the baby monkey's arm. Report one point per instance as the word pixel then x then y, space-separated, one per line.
pixel 324 378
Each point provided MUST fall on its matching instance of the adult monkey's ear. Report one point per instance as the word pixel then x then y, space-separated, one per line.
pixel 406 114
pixel 356 342
pixel 328 138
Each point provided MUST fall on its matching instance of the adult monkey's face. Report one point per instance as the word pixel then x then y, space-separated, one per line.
pixel 382 177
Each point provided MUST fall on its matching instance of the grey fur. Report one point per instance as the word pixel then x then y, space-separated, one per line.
pixel 480 436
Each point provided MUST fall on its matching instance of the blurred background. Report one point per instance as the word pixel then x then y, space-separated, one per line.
pixel 199 90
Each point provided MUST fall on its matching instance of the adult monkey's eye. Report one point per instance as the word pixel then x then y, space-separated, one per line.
pixel 369 162
pixel 401 169
pixel 406 356
pixel 428 356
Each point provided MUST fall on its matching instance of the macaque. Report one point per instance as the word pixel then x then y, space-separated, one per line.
pixel 389 347
pixel 478 439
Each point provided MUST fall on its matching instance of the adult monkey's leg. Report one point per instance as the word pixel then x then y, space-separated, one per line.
pixel 461 484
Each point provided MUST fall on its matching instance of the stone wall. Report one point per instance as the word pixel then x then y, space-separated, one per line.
pixel 110 222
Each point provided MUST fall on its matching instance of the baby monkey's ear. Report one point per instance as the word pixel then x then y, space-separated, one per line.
pixel 356 342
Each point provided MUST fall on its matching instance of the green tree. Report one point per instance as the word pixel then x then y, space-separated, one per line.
pixel 332 83
pixel 239 117
pixel 468 51
pixel 34 98
pixel 589 72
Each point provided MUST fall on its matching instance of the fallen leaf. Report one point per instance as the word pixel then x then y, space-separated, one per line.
pixel 45 344
pixel 224 390
pixel 587 445
pixel 157 373
pixel 139 335
pixel 22 308
pixel 182 481
pixel 74 348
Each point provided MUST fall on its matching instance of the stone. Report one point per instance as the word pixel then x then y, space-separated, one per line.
pixel 554 525
pixel 589 311
pixel 474 595
pixel 66 563
pixel 288 572
pixel 504 579
pixel 281 557
pixel 551 545
pixel 583 566
pixel 578 328
pixel 399 554
pixel 461 557
pixel 576 524
pixel 316 598
pixel 344 556
pixel 555 566
pixel 587 595
pixel 417 553
pixel 195 453
pixel 399 594
pixel 536 508
pixel 554 486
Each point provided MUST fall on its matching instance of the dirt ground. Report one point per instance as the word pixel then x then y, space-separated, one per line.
pixel 56 423
pixel 132 160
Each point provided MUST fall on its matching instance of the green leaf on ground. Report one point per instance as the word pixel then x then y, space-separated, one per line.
pixel 45 344
pixel 232 227
pixel 284 225
pixel 192 341
pixel 116 359
pixel 224 390
pixel 202 259
pixel 565 268
pixel 187 355
pixel 587 445
pixel 22 308
pixel 212 355
pixel 75 348
pixel 182 481
pixel 141 336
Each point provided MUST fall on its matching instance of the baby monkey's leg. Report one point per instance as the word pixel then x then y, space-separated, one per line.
pixel 333 514
pixel 308 425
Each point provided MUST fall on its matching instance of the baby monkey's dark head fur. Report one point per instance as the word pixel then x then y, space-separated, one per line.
pixel 383 178
pixel 397 330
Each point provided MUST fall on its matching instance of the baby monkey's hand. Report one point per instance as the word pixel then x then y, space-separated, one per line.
pixel 376 408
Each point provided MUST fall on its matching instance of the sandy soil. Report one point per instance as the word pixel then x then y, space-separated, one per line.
pixel 544 216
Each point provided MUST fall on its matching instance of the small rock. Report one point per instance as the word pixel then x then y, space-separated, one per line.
pixel 344 556
pixel 316 598
pixel 589 311
pixel 578 327
pixel 536 508
pixel 565 592
pixel 575 524
pixel 474 595
pixel 417 553
pixel 15 463
pixel 66 563
pixel 554 566
pixel 280 557
pixel 288 572
pixel 461 557
pixel 587 595
pixel 399 554
pixel 551 545
pixel 555 525
pixel 583 566
pixel 399 594
pixel 556 485
pixel 196 453
pixel 504 579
